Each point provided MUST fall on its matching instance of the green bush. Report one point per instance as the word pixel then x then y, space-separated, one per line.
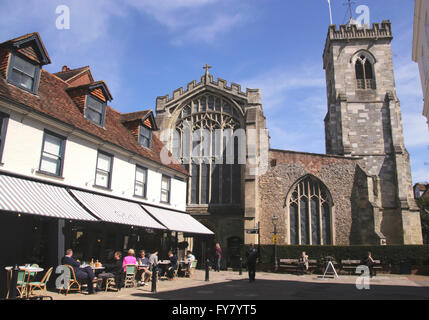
pixel 416 255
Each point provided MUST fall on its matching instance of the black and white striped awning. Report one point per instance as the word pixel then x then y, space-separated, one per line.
pixel 177 221
pixel 116 210
pixel 31 197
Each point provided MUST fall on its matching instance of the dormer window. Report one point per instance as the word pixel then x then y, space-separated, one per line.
pixel 95 110
pixel 23 73
pixel 145 136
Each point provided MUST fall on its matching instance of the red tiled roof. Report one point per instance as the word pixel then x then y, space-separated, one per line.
pixel 67 75
pixel 53 101
pixel 8 43
pixel 125 117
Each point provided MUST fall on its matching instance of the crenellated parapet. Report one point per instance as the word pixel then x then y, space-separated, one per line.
pixel 352 31
pixel 250 96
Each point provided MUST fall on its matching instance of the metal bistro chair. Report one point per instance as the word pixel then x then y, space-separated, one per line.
pixel 22 282
pixel 110 284
pixel 114 283
pixel 73 283
pixel 191 268
pixel 40 285
pixel 33 274
pixel 130 275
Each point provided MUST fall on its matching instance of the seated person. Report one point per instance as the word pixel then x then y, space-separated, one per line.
pixel 369 262
pixel 144 271
pixel 113 270
pixel 82 274
pixel 129 259
pixel 303 262
pixel 189 259
pixel 189 256
pixel 173 265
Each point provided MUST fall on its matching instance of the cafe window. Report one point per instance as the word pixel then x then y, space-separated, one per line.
pixel 103 175
pixel 52 157
pixel 23 73
pixel 145 136
pixel 95 110
pixel 4 119
pixel 165 189
pixel 140 182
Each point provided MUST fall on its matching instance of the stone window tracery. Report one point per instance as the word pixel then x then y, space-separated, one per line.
pixel 364 72
pixel 205 127
pixel 310 213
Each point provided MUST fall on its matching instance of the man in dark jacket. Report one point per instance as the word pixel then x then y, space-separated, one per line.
pixel 82 274
pixel 113 270
pixel 251 256
pixel 173 265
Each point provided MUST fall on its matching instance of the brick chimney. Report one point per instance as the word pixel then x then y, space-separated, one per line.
pixel 65 68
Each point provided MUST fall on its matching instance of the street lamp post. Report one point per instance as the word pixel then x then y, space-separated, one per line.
pixel 274 220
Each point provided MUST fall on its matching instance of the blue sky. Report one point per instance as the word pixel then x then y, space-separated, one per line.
pixel 148 48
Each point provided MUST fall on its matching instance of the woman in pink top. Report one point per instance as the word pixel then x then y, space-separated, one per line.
pixel 129 259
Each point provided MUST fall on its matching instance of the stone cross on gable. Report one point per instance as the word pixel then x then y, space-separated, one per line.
pixel 207 67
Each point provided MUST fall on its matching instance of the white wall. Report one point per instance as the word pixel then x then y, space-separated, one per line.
pixel 421 48
pixel 22 150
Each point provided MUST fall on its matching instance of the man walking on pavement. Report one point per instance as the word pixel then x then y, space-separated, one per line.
pixel 251 256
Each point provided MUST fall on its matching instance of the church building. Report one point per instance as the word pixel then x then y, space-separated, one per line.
pixel 359 192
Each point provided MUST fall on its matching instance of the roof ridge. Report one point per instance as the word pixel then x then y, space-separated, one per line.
pixel 71 70
pixel 54 75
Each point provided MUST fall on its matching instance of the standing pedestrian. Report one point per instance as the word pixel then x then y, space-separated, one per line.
pixel 251 256
pixel 218 256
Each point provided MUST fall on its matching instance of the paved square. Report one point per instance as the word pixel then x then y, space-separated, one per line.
pixel 228 285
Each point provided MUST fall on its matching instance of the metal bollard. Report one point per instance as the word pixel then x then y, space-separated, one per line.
pixel 13 282
pixel 240 270
pixel 154 279
pixel 207 269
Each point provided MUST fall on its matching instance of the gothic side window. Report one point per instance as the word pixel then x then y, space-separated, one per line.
pixel 310 213
pixel 364 73
pixel 205 127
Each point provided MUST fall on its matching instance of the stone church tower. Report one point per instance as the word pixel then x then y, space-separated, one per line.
pixel 195 124
pixel 364 121
pixel 359 192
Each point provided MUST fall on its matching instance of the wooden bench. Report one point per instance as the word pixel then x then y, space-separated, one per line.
pixel 293 265
pixel 377 266
pixel 313 265
pixel 351 265
pixel 289 264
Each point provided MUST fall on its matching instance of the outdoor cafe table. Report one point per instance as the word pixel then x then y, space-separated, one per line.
pixel 94 269
pixel 163 264
pixel 29 271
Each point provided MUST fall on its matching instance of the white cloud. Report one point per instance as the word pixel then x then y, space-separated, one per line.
pixel 191 20
pixel 208 31
pixel 277 85
pixel 415 130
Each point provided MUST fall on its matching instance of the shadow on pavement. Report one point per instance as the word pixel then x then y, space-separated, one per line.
pixel 286 289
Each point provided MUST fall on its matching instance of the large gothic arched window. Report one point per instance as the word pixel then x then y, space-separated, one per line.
pixel 310 213
pixel 205 127
pixel 365 78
